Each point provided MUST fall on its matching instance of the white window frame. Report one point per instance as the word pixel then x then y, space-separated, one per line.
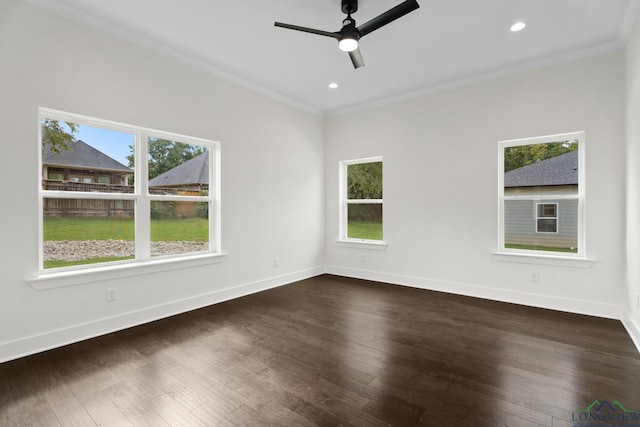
pixel 556 217
pixel 581 234
pixel 142 200
pixel 345 202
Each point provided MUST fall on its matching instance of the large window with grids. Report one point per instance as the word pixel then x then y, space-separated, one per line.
pixel 541 193
pixel 112 193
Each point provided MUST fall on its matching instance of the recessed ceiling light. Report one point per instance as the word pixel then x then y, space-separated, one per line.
pixel 518 26
pixel 333 85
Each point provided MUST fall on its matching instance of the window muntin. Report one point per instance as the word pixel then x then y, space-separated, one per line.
pixel 116 195
pixel 541 194
pixel 361 200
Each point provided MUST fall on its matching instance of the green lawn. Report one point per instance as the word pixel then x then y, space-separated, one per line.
pixel 57 264
pixel 541 248
pixel 175 230
pixel 162 230
pixel 365 230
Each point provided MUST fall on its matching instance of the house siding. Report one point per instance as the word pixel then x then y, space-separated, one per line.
pixel 520 220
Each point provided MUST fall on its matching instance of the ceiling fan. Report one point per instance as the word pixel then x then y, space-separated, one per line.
pixel 349 35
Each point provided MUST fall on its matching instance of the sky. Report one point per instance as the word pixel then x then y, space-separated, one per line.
pixel 113 144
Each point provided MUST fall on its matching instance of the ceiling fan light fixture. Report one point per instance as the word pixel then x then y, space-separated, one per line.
pixel 348 44
pixel 518 26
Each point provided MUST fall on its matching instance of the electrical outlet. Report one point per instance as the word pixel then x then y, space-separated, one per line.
pixel 535 277
pixel 111 295
pixel 276 263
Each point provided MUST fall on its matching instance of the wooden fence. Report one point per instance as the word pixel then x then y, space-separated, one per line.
pixel 76 208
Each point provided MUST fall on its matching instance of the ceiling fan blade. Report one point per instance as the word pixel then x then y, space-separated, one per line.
pixel 388 16
pixel 308 30
pixel 356 58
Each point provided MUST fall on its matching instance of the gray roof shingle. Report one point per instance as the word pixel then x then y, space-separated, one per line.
pixel 82 155
pixel 194 171
pixel 559 170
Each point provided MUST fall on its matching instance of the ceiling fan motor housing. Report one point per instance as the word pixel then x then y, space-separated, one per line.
pixel 349 6
pixel 349 30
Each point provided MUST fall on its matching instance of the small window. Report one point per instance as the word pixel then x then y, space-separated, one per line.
pixel 547 218
pixel 55 176
pixel 541 194
pixel 107 211
pixel 361 194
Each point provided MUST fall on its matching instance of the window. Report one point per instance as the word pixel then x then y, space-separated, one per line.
pixel 361 200
pixel 541 193
pixel 116 193
pixel 55 176
pixel 547 218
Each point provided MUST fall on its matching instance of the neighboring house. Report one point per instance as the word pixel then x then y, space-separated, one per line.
pixel 540 218
pixel 189 178
pixel 83 164
pixel 83 168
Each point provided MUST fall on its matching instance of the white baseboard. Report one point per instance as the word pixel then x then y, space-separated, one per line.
pixel 570 305
pixel 57 338
pixel 632 327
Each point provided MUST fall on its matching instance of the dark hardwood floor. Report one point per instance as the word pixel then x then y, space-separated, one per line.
pixel 333 351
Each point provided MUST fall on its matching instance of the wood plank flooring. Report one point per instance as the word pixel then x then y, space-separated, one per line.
pixel 332 351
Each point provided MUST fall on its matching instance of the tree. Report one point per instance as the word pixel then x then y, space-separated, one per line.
pixel 523 155
pixel 165 155
pixel 364 181
pixel 55 136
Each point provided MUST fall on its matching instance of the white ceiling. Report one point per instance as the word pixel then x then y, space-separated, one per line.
pixel 443 44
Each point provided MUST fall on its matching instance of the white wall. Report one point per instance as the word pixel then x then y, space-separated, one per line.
pixel 272 176
pixel 632 319
pixel 279 177
pixel 440 185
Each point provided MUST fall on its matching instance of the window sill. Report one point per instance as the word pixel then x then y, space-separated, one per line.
pixel 78 277
pixel 556 260
pixel 363 244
